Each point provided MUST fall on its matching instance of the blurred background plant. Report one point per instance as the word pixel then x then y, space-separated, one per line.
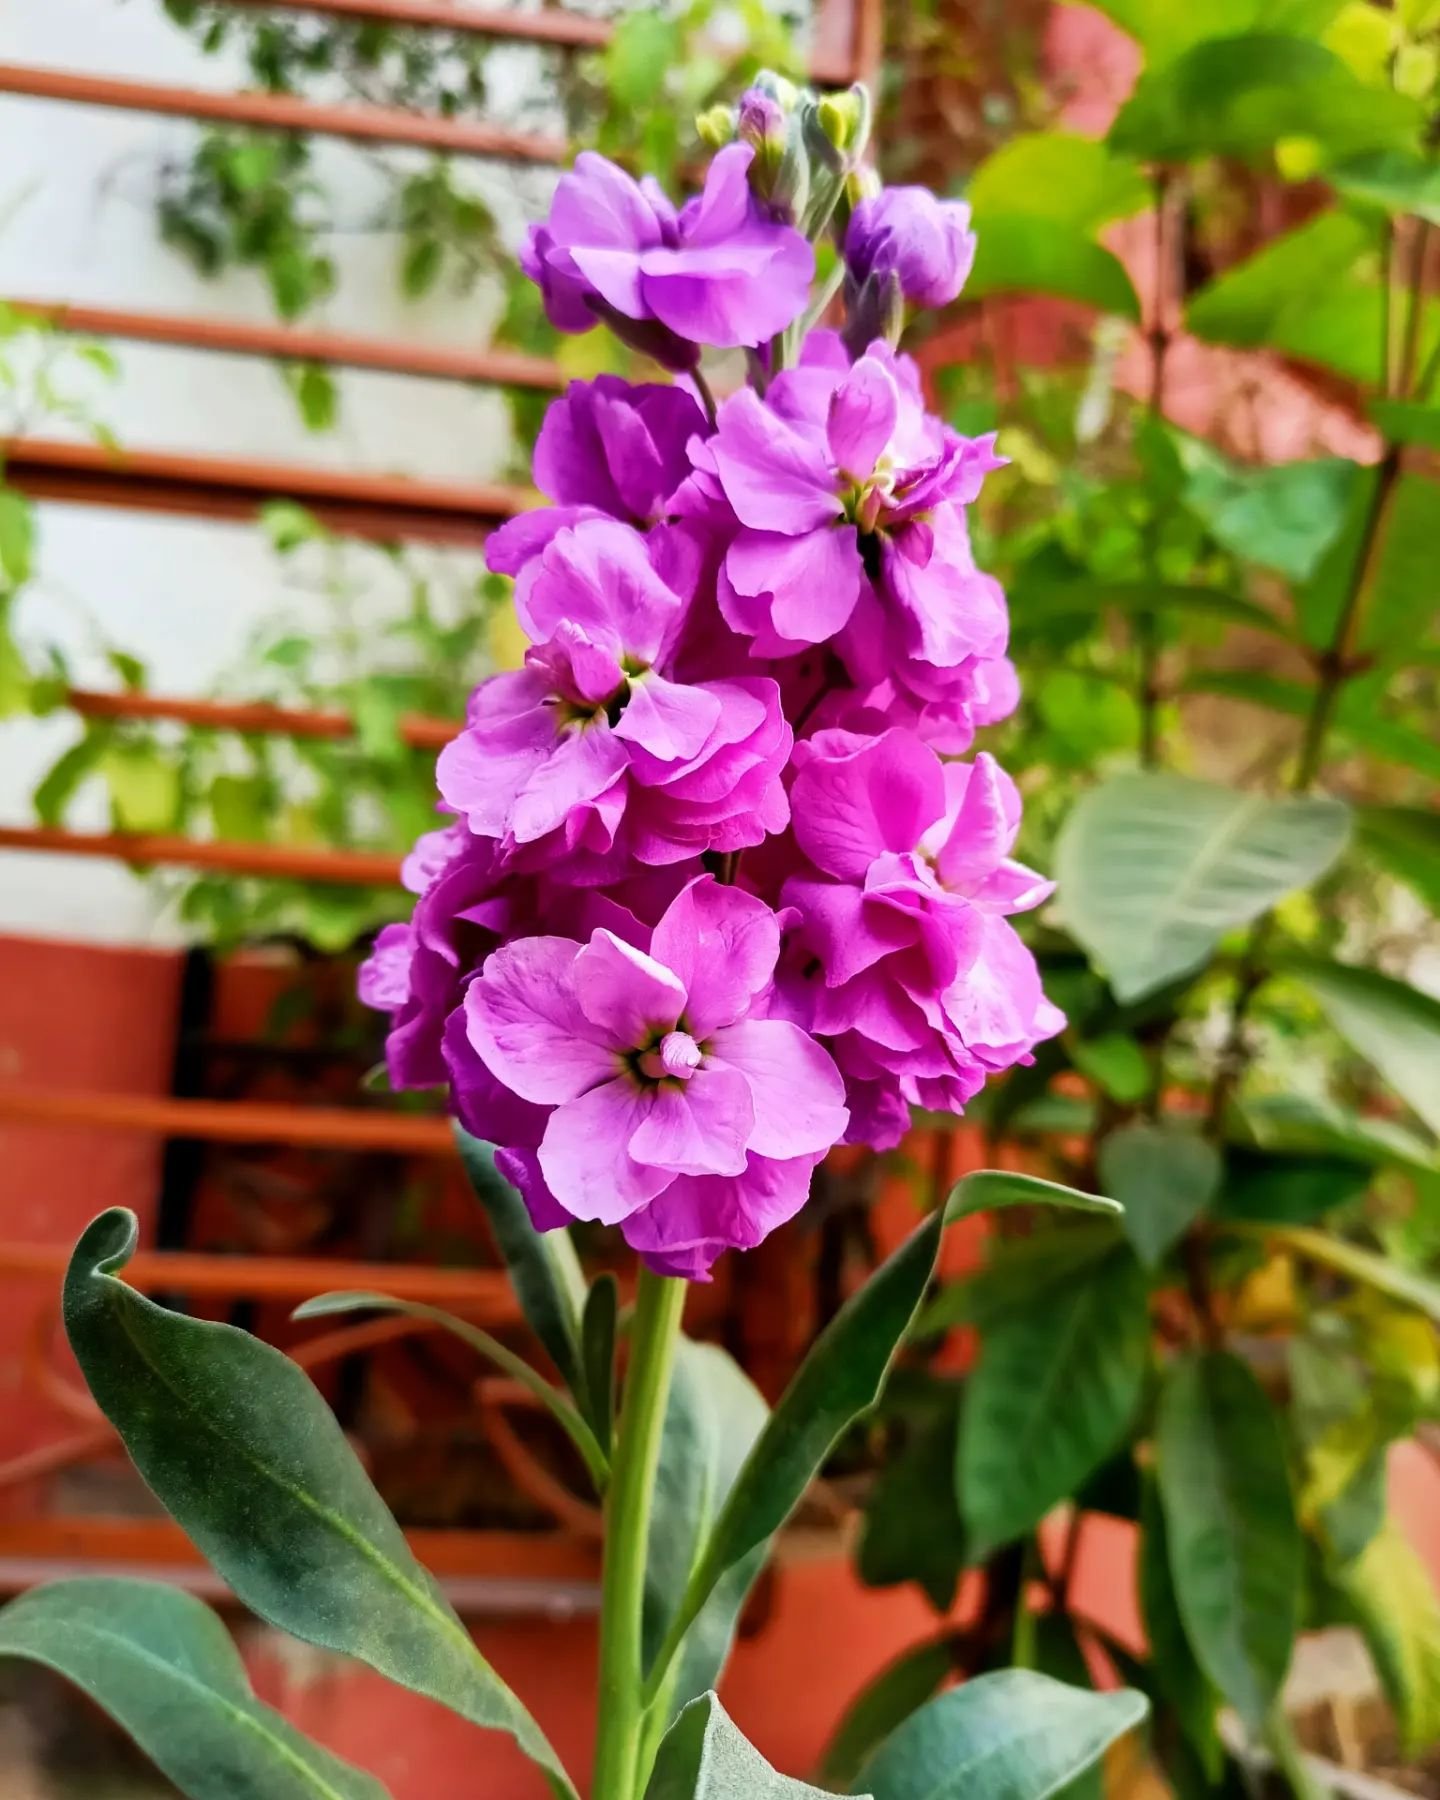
pixel 1217 537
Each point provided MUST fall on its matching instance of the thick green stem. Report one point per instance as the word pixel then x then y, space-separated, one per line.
pixel 653 1335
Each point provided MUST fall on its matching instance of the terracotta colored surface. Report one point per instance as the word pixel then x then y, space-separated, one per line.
pixel 72 1017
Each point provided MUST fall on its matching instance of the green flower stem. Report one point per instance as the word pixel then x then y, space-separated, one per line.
pixel 654 1333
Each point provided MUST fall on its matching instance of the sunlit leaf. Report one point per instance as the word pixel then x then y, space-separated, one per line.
pixel 1154 868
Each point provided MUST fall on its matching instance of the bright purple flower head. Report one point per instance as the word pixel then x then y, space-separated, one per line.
pixel 901 953
pixel 672 1103
pixel 619 449
pixel 849 502
pixel 717 272
pixel 906 232
pixel 589 754
pixel 709 901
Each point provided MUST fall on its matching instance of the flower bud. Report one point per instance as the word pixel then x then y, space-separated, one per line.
pixel 716 127
pixel 784 93
pixel 845 120
pixel 874 308
pixel 760 121
pixel 927 243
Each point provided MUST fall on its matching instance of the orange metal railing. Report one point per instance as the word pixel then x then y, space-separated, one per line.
pixel 389 508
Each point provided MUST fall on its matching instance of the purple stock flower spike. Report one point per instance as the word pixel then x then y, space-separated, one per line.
pixel 756 643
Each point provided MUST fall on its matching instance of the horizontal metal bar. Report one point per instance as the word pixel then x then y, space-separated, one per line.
pixel 274 862
pixel 291 343
pixel 373 506
pixel 231 1122
pixel 571 31
pixel 564 30
pixel 250 716
pixel 284 1278
pixel 285 112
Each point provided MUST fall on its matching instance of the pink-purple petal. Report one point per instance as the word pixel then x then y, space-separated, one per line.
pixel 799 1096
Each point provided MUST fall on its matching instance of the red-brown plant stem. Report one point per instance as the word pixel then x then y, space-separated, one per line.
pixel 1160 336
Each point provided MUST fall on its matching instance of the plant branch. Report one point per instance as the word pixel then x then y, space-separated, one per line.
pixel 654 1332
pixel 1160 338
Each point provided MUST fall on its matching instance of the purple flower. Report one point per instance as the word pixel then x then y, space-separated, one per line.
pixel 672 1103
pixel 901 953
pixel 589 754
pixel 617 448
pixel 717 272
pixel 849 503
pixel 384 978
pixel 906 232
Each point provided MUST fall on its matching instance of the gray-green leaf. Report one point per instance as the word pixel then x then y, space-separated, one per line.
pixel 1011 1735
pixel 1164 1179
pixel 901 1688
pixel 165 1669
pixel 704 1756
pixel 238 1445
pixel 987 1190
pixel 1155 868
pixel 1234 1544
pixel 713 1417
pixel 1392 1025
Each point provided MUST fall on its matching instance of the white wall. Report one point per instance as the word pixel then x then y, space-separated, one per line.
pixel 77 223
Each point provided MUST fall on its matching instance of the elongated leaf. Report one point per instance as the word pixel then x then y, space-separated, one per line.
pixel 1000 1737
pixel 901 1688
pixel 1405 839
pixel 913 1530
pixel 1292 1122
pixel 1034 602
pixel 165 1669
pixel 704 1756
pixel 1017 1272
pixel 1408 422
pixel 839 1380
pixel 1236 96
pixel 1154 869
pixel 1302 294
pixel 325 1306
pixel 544 1269
pixel 1289 1189
pixel 240 1448
pixel 1281 515
pixel 1330 1252
pixel 988 1190
pixel 1164 30
pixel 1164 1179
pixel 1018 254
pixel 712 1419
pixel 1056 1386
pixel 1394 1601
pixel 1057 176
pixel 1178 1677
pixel 1395 1027
pixel 1398 180
pixel 1234 1544
pixel 597 1348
